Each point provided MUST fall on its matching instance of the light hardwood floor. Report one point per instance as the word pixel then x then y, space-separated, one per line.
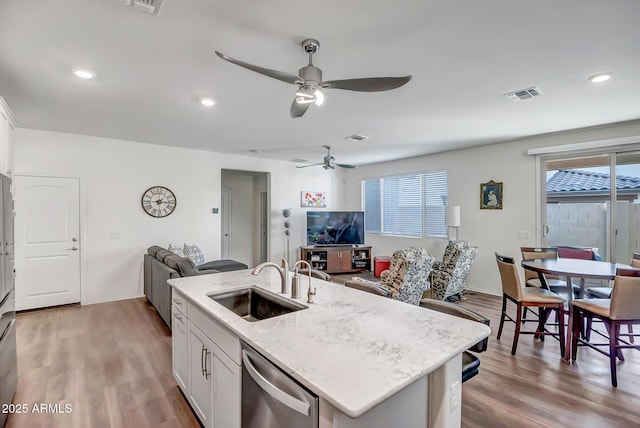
pixel 112 363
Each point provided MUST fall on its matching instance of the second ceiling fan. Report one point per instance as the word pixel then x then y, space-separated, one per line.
pixel 329 162
pixel 310 84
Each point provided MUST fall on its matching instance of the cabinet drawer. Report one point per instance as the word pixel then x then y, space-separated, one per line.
pixel 223 338
pixel 178 301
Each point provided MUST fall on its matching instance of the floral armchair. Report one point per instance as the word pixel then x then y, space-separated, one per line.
pixel 407 276
pixel 449 276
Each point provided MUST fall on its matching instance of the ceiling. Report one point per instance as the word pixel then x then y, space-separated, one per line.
pixel 464 55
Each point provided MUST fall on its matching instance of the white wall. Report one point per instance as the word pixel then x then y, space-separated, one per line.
pixel 115 173
pixel 490 230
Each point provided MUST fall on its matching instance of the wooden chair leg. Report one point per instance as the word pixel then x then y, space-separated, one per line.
pixel 504 310
pixel 611 333
pixel 587 333
pixel 516 334
pixel 560 315
pixel 575 325
pixel 614 327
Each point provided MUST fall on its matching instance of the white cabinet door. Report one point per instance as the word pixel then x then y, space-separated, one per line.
pixel 200 371
pixel 227 387
pixel 180 349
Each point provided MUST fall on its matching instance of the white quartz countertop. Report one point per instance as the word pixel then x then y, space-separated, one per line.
pixel 352 348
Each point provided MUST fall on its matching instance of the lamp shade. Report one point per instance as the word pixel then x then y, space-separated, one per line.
pixel 453 216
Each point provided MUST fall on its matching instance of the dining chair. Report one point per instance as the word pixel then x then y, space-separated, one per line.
pixel 525 297
pixel 622 308
pixel 555 283
pixel 605 292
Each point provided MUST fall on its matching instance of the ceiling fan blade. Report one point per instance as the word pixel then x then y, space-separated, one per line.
pixel 298 109
pixel 344 165
pixel 312 164
pixel 369 84
pixel 280 75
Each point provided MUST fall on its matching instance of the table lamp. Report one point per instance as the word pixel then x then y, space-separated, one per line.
pixel 453 218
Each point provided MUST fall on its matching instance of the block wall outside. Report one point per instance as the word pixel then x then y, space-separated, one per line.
pixel 587 224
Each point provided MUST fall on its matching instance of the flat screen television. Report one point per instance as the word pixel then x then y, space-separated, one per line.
pixel 335 227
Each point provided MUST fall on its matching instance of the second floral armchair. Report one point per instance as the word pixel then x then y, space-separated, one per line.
pixel 448 277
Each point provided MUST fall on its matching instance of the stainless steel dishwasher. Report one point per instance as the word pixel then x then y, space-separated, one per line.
pixel 271 398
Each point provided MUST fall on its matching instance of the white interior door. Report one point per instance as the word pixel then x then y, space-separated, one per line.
pixel 47 240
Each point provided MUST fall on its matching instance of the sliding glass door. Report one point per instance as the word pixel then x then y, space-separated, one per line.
pixel 577 196
pixel 627 197
pixel 593 201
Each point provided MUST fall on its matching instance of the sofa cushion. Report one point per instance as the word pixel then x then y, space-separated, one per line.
pixel 178 251
pixel 182 265
pixel 224 265
pixel 193 252
pixel 153 250
pixel 162 254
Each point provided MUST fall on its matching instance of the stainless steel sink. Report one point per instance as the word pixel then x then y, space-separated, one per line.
pixel 255 304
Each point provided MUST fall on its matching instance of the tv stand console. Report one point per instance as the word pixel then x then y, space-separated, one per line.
pixel 338 259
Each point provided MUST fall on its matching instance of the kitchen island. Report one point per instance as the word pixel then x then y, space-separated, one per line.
pixel 372 361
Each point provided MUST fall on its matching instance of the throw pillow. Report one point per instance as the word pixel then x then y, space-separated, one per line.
pixel 194 254
pixel 175 250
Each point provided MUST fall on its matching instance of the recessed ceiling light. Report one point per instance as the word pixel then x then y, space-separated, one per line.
pixel 356 137
pixel 84 74
pixel 207 102
pixel 600 77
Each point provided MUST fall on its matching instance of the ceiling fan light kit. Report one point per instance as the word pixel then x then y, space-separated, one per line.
pixel 309 80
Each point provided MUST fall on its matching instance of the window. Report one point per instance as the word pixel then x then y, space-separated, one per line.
pixel 406 205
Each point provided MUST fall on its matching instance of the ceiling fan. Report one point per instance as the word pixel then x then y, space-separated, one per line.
pixel 309 80
pixel 329 162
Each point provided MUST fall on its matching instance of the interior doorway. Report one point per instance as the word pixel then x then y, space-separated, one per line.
pixel 245 216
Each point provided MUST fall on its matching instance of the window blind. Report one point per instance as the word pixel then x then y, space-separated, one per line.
pixel 406 205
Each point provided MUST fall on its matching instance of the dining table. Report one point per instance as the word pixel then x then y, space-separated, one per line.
pixel 572 269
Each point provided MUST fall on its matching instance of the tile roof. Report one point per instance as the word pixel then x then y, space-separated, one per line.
pixel 572 180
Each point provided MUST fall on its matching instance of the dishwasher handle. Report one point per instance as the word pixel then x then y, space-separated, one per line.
pixel 293 403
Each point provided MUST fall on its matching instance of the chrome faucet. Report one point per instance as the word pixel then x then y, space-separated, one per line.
pixel 311 291
pixel 294 284
pixel 283 270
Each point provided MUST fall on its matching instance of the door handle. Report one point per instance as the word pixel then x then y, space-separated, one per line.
pixel 207 372
pixel 74 248
pixel 202 360
pixel 290 401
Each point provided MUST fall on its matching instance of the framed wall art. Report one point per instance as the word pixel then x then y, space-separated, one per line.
pixel 313 199
pixel 491 195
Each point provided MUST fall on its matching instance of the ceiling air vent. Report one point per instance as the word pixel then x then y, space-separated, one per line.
pixel 149 6
pixel 356 137
pixel 523 94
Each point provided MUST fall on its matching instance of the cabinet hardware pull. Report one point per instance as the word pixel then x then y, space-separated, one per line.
pixel 202 360
pixel 177 316
pixel 177 302
pixel 207 372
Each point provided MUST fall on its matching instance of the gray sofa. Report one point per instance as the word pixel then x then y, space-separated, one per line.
pixel 161 265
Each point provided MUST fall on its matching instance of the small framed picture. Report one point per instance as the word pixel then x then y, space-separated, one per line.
pixel 313 199
pixel 491 196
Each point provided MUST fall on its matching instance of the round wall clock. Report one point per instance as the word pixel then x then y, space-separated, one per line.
pixel 158 201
